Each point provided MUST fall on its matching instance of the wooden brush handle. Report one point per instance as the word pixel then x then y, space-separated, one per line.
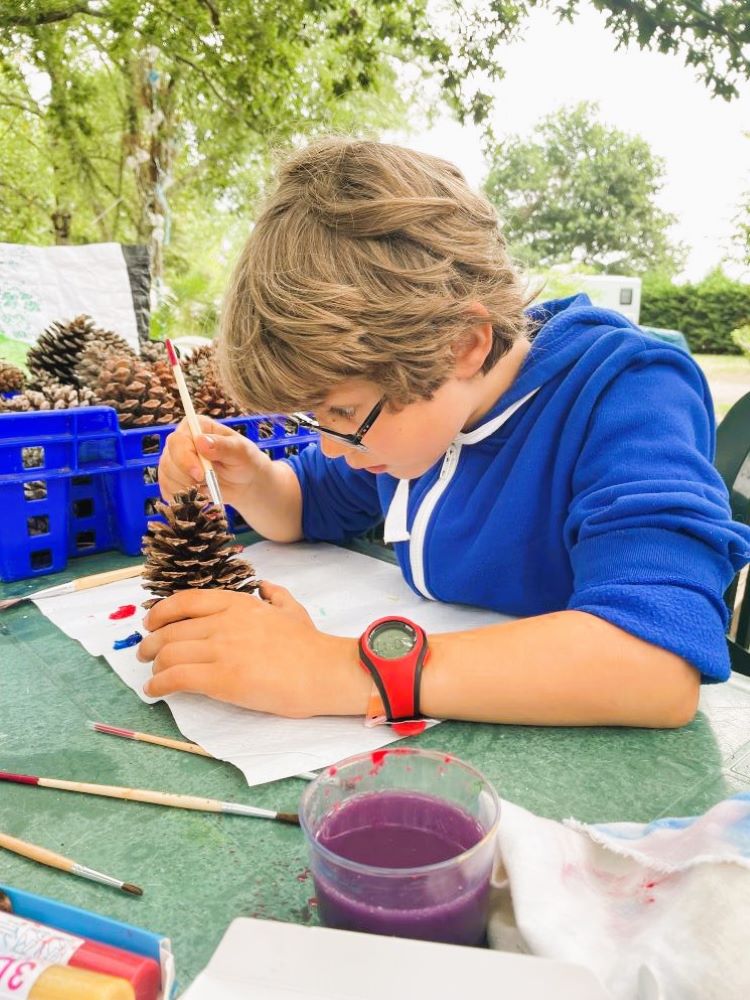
pixel 35 853
pixel 173 799
pixel 111 576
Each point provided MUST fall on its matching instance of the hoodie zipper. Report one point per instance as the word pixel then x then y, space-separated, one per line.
pixel 422 517
pixel 447 471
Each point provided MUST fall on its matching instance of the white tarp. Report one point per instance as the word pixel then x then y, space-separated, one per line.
pixel 41 284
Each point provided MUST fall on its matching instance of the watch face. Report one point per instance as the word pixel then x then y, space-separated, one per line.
pixel 393 640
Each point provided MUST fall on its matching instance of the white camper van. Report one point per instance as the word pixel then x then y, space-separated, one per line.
pixel 613 291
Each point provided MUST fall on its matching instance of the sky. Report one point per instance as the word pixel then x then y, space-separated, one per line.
pixel 646 93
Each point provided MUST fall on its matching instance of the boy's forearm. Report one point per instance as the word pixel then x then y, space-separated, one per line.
pixel 568 668
pixel 272 505
pixel 563 669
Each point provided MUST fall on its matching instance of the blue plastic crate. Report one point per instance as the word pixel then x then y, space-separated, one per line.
pixel 138 490
pixel 73 483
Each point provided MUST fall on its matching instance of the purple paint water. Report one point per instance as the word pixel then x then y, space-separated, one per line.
pixel 404 830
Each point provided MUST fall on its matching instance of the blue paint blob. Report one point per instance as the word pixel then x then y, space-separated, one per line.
pixel 130 640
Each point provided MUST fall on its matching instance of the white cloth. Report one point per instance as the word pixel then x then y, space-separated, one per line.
pixel 672 896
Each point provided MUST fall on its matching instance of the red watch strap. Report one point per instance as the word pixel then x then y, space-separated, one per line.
pixel 398 681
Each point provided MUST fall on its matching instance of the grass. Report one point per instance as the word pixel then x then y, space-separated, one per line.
pixel 13 350
pixel 728 378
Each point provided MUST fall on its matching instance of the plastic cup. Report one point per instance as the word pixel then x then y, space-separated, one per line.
pixel 401 841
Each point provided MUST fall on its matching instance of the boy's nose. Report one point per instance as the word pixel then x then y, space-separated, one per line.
pixel 332 448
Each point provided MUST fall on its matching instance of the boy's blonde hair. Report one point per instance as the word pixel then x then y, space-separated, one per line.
pixel 366 262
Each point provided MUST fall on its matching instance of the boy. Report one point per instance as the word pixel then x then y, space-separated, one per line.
pixel 553 464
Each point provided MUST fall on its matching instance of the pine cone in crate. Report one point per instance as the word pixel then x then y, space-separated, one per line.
pixel 142 394
pixel 25 402
pixel 47 394
pixel 100 346
pixel 152 351
pixel 69 397
pixel 12 379
pixel 202 379
pixel 199 365
pixel 192 549
pixel 58 349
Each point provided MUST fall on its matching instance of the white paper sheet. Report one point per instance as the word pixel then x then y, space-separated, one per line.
pixel 254 960
pixel 343 592
pixel 42 284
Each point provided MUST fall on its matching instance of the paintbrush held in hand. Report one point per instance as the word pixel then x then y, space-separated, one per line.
pixel 192 548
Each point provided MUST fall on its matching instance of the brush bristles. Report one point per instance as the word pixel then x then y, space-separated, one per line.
pixel 134 890
pixel 292 818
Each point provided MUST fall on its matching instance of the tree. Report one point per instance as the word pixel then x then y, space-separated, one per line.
pixel 581 191
pixel 118 116
pixel 741 241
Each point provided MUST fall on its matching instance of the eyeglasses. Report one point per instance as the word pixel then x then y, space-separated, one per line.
pixel 352 440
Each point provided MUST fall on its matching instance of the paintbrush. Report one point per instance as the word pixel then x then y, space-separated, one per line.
pixel 172 799
pixel 212 481
pixel 164 741
pixel 54 860
pixel 159 741
pixel 82 583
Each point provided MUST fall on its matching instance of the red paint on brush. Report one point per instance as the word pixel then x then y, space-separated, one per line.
pixel 113 730
pixel 171 353
pixel 21 779
pixel 124 611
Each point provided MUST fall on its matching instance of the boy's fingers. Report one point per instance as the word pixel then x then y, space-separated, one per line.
pixel 228 449
pixel 182 631
pixel 276 595
pixel 184 677
pixel 186 604
pixel 175 653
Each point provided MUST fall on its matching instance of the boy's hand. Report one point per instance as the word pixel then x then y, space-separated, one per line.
pixel 237 460
pixel 266 655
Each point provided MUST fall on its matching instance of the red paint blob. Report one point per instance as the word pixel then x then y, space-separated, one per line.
pixel 332 770
pixel 124 611
pixel 377 757
pixel 412 728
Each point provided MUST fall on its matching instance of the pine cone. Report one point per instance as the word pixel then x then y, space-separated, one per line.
pixel 69 397
pixel 199 365
pixel 24 402
pixel 153 350
pixel 12 379
pixel 202 378
pixel 192 549
pixel 142 394
pixel 58 349
pixel 48 394
pixel 101 345
pixel 211 400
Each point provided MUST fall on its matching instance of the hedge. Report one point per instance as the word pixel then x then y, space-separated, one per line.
pixel 706 312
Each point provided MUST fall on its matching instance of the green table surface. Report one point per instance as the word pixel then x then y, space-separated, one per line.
pixel 199 871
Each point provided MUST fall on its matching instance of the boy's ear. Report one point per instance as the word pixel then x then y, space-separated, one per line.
pixel 471 347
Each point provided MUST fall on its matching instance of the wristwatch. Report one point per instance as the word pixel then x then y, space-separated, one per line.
pixel 393 651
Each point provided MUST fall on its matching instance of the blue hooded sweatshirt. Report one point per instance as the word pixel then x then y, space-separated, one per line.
pixel 588 486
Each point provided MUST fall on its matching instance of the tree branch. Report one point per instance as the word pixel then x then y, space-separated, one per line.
pixel 209 81
pixel 48 16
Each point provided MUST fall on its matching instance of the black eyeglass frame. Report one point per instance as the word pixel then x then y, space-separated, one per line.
pixel 352 440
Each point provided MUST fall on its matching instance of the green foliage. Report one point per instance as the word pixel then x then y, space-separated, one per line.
pixel 706 312
pixel 134 121
pixel 741 337
pixel 582 191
